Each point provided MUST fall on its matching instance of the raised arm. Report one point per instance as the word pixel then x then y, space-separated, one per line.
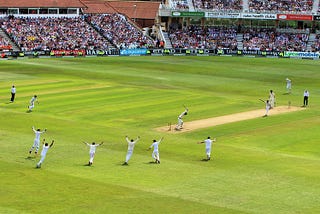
pixel 127 139
pixel 138 138
pixel 160 139
pixel 44 131
pixel 51 143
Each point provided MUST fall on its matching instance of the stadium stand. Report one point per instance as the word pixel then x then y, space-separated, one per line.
pixel 221 5
pixel 316 45
pixel 179 4
pixel 4 44
pixel 119 31
pixel 271 40
pixel 203 37
pixel 52 34
pixel 288 6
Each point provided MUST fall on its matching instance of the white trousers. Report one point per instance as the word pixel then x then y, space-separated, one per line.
pixel 129 154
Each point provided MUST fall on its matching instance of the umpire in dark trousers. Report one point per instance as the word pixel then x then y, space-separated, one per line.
pixel 13 93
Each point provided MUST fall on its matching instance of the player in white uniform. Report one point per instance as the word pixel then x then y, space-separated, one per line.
pixel 288 86
pixel 131 144
pixel 44 151
pixel 272 98
pixel 155 153
pixel 36 142
pixel 268 106
pixel 32 101
pixel 180 121
pixel 92 151
pixel 208 143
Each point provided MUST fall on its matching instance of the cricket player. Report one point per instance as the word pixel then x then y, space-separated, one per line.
pixel 44 151
pixel 208 143
pixel 36 142
pixel 13 93
pixel 131 144
pixel 92 151
pixel 288 86
pixel 155 153
pixel 268 106
pixel 272 99
pixel 180 121
pixel 32 101
pixel 305 98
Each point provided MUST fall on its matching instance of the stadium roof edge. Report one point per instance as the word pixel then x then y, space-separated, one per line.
pixel 41 3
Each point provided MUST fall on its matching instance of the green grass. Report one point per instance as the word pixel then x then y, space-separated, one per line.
pixel 263 165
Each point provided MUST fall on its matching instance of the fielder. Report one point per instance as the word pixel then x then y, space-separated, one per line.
pixel 131 144
pixel 208 143
pixel 268 107
pixel 92 151
pixel 180 121
pixel 36 142
pixel 288 86
pixel 272 99
pixel 155 154
pixel 32 101
pixel 44 151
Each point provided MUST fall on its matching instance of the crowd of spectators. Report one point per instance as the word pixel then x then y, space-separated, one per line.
pixel 4 44
pixel 271 40
pixel 316 46
pixel 179 4
pixel 203 37
pixel 288 6
pixel 220 5
pixel 119 31
pixel 52 34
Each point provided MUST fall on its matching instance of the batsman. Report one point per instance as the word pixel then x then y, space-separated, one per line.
pixel 180 121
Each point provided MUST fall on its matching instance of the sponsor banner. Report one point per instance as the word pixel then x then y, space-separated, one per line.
pixel 180 51
pixel 27 53
pixel 316 18
pixel 133 52
pixel 295 54
pixel 68 52
pixel 258 16
pixel 109 52
pixel 5 47
pixel 187 14
pixel 223 15
pixel 294 17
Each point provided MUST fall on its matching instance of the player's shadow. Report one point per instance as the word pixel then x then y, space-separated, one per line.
pixel 287 93
pixel 30 158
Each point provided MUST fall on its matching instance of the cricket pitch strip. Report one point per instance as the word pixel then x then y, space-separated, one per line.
pixel 215 121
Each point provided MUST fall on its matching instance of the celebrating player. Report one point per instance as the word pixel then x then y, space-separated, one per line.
pixel 92 151
pixel 155 153
pixel 208 143
pixel 44 151
pixel 131 144
pixel 36 142
pixel 32 101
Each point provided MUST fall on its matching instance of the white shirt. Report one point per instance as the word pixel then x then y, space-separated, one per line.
pixel 92 147
pixel 155 145
pixel 131 144
pixel 182 114
pixel 13 90
pixel 208 143
pixel 44 150
pixel 38 133
pixel 306 94
pixel 33 99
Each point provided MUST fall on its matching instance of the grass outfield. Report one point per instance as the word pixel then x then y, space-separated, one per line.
pixel 264 165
